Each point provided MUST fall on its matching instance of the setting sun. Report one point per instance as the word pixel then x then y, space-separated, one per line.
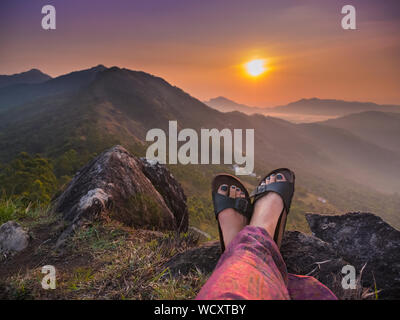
pixel 255 67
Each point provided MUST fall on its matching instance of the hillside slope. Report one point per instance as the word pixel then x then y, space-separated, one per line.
pixel 109 106
pixel 380 128
pixel 24 92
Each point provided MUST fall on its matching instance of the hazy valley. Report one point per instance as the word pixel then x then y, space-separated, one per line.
pixel 304 110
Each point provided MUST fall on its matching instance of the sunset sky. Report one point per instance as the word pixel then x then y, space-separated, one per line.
pixel 201 46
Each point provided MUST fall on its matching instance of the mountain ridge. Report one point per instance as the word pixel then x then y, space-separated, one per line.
pixel 311 106
pixel 21 93
pixel 333 107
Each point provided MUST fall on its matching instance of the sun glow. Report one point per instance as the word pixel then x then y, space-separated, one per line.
pixel 256 67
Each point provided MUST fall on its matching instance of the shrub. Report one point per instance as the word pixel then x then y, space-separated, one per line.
pixel 28 178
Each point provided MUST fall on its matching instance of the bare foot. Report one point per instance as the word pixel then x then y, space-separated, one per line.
pixel 231 221
pixel 268 209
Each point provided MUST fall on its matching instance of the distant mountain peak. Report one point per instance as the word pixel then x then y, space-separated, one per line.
pixel 224 104
pixel 99 67
pixel 30 71
pixel 27 77
pixel 34 70
pixel 221 98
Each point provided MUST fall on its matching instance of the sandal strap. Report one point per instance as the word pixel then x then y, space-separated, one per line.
pixel 285 189
pixel 221 202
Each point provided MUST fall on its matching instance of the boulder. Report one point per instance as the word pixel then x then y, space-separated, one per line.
pixel 170 189
pixel 364 238
pixel 12 238
pixel 120 186
pixel 200 235
pixel 308 255
pixel 203 258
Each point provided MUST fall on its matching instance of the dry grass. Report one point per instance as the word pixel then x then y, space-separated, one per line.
pixel 107 261
pixel 359 293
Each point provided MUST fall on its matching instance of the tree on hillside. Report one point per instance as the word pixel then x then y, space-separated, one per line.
pixel 28 177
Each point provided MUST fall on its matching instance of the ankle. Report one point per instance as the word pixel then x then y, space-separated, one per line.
pixel 267 211
pixel 268 205
pixel 231 223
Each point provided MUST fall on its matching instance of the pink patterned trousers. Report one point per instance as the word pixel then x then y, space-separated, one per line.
pixel 252 268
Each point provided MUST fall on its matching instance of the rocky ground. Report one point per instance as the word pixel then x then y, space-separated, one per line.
pixel 120 231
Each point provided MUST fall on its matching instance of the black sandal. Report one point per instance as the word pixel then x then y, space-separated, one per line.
pixel 286 190
pixel 221 202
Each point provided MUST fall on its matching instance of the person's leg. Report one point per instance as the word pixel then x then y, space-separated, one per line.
pixel 268 209
pixel 308 288
pixel 231 221
pixel 266 215
pixel 251 267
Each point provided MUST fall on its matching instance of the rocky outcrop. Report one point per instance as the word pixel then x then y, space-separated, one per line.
pixel 353 239
pixel 12 238
pixel 364 239
pixel 120 186
pixel 308 255
pixel 203 258
pixel 169 188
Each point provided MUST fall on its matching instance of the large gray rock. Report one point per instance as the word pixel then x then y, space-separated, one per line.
pixel 203 258
pixel 169 188
pixel 308 255
pixel 119 185
pixel 364 238
pixel 12 238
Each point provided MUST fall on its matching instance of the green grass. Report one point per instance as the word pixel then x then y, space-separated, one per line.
pixel 80 277
pixel 17 210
